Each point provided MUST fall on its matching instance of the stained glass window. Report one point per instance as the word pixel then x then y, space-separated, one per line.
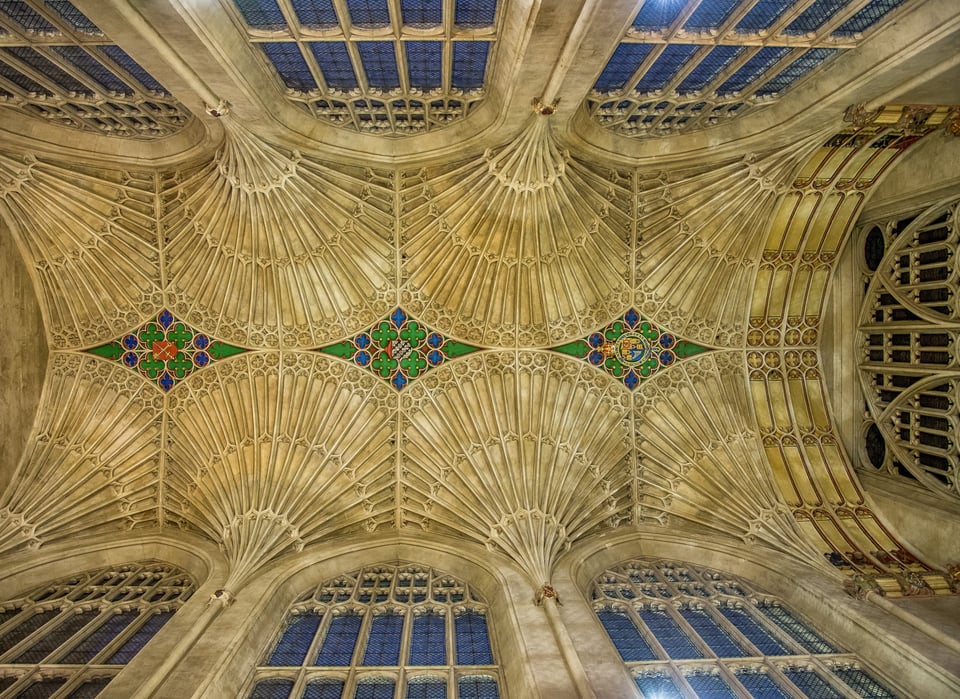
pixel 81 648
pixel 392 631
pixel 683 630
pixel 71 77
pixel 427 75
pixel 734 55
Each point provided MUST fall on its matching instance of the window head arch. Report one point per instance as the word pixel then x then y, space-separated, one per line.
pixel 685 630
pixel 71 637
pixel 908 331
pixel 383 632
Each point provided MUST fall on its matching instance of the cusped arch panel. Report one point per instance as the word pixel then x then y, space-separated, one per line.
pixel 522 245
pixel 525 452
pixel 270 451
pixel 269 248
pixel 93 460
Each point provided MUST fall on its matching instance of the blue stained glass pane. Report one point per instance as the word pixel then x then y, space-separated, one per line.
pixel 753 69
pixel 657 15
pixel 472 639
pixel 474 14
pixel 288 61
pixel 759 684
pixel 710 15
pixel 428 642
pixel 427 688
pixel 763 14
pixel 25 628
pixel 8 615
pixel 369 13
pixel 262 14
pixel 765 642
pixel 374 688
pixel 272 689
pixel 659 686
pixel 622 64
pixel 42 65
pixel 665 629
pixel 316 13
pixel 74 17
pixel 424 63
pixel 800 632
pixel 87 649
pixel 673 58
pixel 710 687
pixel 120 57
pixel 709 68
pixel 625 636
pixel 380 64
pixel 326 688
pixel 21 80
pixel 469 64
pixel 864 684
pixel 338 644
pixel 477 687
pixel 383 643
pixel 83 61
pixel 42 689
pixel 28 18
pixel 815 16
pixel 714 636
pixel 335 64
pixel 90 688
pixel 811 684
pixel 56 637
pixel 422 13
pixel 293 645
pixel 872 13
pixel 140 638
pixel 796 70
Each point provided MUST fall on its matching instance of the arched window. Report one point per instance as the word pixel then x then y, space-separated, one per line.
pixel 70 638
pixel 383 632
pixel 909 326
pixel 683 630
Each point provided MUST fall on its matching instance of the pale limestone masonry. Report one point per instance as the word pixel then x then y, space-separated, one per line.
pixel 279 244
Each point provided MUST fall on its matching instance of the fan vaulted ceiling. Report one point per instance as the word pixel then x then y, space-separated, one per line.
pixel 516 272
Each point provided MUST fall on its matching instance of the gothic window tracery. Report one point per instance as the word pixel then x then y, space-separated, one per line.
pixel 385 68
pixel 71 637
pixel 683 630
pixel 383 632
pixel 57 66
pixel 908 332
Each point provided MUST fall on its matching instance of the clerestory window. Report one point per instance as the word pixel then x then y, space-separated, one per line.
pixel 68 639
pixel 686 631
pixel 383 632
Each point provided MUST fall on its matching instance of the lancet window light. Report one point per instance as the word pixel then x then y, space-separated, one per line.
pixel 386 67
pixel 688 64
pixel 56 65
pixel 70 638
pixel 383 632
pixel 909 327
pixel 684 630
